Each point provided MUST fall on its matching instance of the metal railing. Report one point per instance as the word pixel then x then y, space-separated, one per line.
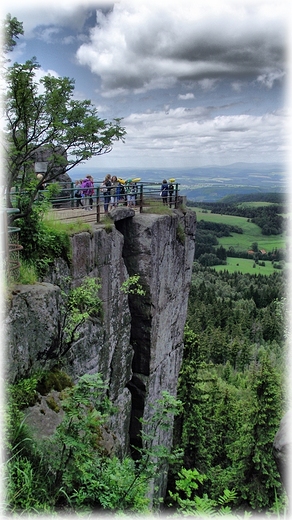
pixel 147 194
pixel 66 206
pixel 10 244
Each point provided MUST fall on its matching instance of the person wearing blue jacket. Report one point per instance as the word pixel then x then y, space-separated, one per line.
pixel 164 191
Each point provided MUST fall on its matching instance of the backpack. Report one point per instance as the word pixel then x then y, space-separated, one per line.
pixel 108 191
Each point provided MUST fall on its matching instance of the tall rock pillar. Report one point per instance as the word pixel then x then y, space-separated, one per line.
pixel 160 249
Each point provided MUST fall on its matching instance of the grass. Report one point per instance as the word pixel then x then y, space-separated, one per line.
pixel 71 228
pixel 251 233
pixel 255 204
pixel 156 207
pixel 108 224
pixel 245 266
pixel 27 274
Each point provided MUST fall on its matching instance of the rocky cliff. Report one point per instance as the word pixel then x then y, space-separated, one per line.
pixel 137 345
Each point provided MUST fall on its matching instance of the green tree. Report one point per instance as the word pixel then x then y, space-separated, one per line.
pixel 44 115
pixel 12 28
pixel 254 469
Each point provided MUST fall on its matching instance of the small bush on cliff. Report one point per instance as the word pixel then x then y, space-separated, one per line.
pixel 44 238
pixel 180 233
pixel 79 304
pixel 24 392
pixel 71 471
pixel 53 380
pixel 108 224
pixel 132 286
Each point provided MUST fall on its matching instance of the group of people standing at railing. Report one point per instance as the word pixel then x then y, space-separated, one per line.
pixel 118 192
pixel 113 190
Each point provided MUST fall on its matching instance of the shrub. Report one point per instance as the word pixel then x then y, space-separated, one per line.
pixel 180 233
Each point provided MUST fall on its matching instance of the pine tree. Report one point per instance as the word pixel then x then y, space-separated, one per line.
pixel 251 454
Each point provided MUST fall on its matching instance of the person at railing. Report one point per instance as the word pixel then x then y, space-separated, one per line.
pixel 105 190
pixel 87 187
pixel 131 191
pixel 122 195
pixel 164 191
pixel 40 178
pixel 78 193
pixel 115 192
pixel 170 193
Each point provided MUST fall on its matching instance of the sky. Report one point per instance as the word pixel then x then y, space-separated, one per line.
pixel 196 82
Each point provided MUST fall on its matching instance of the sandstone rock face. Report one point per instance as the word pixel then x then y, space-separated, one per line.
pixel 31 328
pixel 161 250
pixel 137 345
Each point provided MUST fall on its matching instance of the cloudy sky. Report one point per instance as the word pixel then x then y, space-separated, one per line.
pixel 197 82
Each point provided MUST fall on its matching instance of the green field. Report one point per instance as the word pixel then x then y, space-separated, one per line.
pixel 245 266
pixel 251 233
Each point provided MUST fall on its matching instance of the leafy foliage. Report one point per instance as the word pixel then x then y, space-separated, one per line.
pixel 42 242
pixel 72 470
pixel 12 28
pixel 190 504
pixel 132 286
pixel 79 304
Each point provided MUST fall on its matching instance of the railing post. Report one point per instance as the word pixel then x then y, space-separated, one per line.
pixel 72 194
pixel 176 195
pixel 97 205
pixel 4 242
pixel 141 198
pixel 12 245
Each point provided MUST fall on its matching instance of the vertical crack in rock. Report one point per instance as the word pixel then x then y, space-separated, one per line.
pixel 140 337
pixel 138 392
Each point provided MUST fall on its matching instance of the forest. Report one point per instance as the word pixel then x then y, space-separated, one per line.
pixel 232 384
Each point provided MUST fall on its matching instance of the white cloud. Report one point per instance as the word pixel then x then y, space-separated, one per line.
pixel 222 55
pixel 237 86
pixel 194 137
pixel 269 78
pixel 40 73
pixel 187 96
pixel 68 40
pixel 48 35
pixel 141 44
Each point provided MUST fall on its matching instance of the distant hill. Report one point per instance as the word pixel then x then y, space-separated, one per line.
pixel 206 183
pixel 275 198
